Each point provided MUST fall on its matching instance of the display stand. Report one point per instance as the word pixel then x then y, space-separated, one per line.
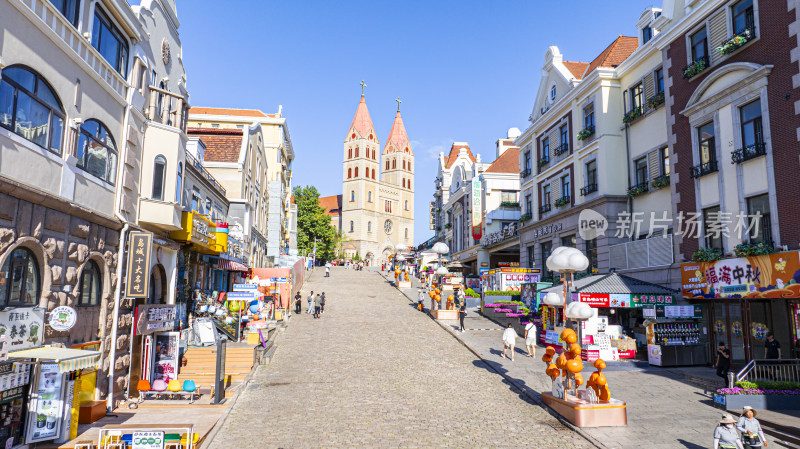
pixel 404 284
pixel 443 314
pixel 583 413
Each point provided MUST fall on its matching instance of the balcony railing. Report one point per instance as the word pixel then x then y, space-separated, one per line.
pixel 190 160
pixel 544 208
pixel 695 67
pixel 544 161
pixel 638 189
pixel 704 169
pixel 786 370
pixel 748 152
pixel 167 108
pixel 590 188
pixel 738 40
pixel 585 133
pixel 525 173
pixel 655 251
pixel 563 201
pixel 561 149
pixel 510 204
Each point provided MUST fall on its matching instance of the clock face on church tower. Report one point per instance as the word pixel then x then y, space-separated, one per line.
pixel 387 226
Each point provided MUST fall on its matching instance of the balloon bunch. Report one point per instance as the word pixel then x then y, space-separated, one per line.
pixel 598 382
pixel 450 302
pixel 406 273
pixel 569 364
pixel 435 294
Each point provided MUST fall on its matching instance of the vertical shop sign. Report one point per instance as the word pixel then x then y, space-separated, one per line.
pixel 46 411
pixel 477 209
pixel 137 284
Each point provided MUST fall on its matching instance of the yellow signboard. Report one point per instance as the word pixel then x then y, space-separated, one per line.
pixel 201 233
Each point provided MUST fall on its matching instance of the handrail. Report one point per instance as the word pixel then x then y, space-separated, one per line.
pixel 209 177
pixel 744 372
pixel 781 370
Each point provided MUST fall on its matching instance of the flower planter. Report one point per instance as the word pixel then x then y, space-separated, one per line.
pixel 759 401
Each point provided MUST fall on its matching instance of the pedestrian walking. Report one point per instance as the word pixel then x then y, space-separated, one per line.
pixel 462 312
pixel 327 271
pixel 723 362
pixel 509 339
pixel 420 298
pixel 322 307
pixel 530 337
pixel 772 348
pixel 317 306
pixel 311 302
pixel 752 435
pixel 298 302
pixel 725 435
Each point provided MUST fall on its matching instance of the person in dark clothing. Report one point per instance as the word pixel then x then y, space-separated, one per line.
pixel 322 306
pixel 723 363
pixel 462 312
pixel 298 300
pixel 772 349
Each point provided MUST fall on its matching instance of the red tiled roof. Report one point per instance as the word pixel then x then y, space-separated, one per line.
pixel 614 54
pixel 222 144
pixel 231 112
pixel 508 162
pixel 398 139
pixel 576 68
pixel 362 122
pixel 332 204
pixel 454 151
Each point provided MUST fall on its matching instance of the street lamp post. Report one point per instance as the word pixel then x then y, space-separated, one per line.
pixel 440 248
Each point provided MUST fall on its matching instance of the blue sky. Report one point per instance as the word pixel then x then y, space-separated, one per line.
pixel 465 70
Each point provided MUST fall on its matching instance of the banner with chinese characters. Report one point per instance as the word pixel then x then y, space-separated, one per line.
pixel 138 277
pixel 23 327
pixel 623 300
pixel 757 277
pixel 151 318
pixel 477 209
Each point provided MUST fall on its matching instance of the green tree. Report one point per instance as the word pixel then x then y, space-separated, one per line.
pixel 357 258
pixel 312 223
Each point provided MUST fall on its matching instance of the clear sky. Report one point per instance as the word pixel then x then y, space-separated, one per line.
pixel 466 71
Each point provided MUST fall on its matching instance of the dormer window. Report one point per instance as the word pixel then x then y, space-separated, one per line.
pixel 647 34
pixel 553 93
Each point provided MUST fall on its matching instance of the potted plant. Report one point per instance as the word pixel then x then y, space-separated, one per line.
pixel 585 133
pixel 543 162
pixel 694 68
pixel 757 249
pixel 706 255
pixel 733 44
pixel 632 115
pixel 524 218
pixel 761 395
pixel 561 202
pixel 636 190
pixel 655 101
pixel 660 182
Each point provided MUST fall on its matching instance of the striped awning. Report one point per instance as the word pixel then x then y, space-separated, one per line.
pixel 229 265
pixel 68 359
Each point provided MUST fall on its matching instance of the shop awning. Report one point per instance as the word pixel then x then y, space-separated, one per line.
pixel 614 283
pixel 68 359
pixel 229 265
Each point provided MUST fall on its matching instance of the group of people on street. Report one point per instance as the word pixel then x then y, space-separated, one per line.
pixel 460 301
pixel 745 433
pixel 772 351
pixel 316 304
pixel 510 339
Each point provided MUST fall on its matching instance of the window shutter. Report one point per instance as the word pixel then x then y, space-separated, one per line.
pixel 555 139
pixel 555 190
pixel 653 168
pixel 717 34
pixel 649 89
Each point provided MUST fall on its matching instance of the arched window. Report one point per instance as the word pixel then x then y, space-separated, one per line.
pixel 404 183
pixel 349 153
pixel 178 192
pixel 409 184
pixel 394 163
pixel 349 173
pixel 30 108
pixel 159 175
pixel 97 152
pixel 387 164
pixel 369 196
pixel 351 226
pixel 20 282
pixel 352 195
pixel 373 173
pixel 90 287
pixel 406 205
pixel 369 226
pixel 404 164
pixel 356 172
pixel 406 232
pixel 356 151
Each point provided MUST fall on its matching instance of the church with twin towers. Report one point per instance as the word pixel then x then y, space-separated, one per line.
pixel 375 211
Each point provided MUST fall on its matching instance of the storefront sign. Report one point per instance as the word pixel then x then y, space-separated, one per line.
pixel 511 279
pixel 148 440
pixel 619 300
pixel 63 318
pixel 546 230
pixel 245 287
pixel 757 277
pixel 651 300
pixel 45 411
pixel 240 296
pixel 507 232
pixel 23 327
pixel 593 299
pixel 474 283
pixel 690 311
pixel 508 264
pixel 477 209
pixel 152 318
pixel 137 284
pixel 166 356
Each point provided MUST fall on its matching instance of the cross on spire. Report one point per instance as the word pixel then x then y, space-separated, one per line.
pixel 398 100
pixel 363 85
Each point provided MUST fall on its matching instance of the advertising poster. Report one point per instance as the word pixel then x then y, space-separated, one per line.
pixel 166 356
pixel 24 327
pixel 44 421
pixel 528 296
pixel 757 277
pixel 654 355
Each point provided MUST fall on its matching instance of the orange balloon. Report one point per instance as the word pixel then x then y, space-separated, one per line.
pixel 593 378
pixel 605 393
pixel 550 350
pixel 575 348
pixel 571 338
pixel 552 367
pixel 600 364
pixel 578 379
pixel 561 361
pixel 547 358
pixel 450 297
pixel 601 380
pixel 438 297
pixel 566 332
pixel 573 366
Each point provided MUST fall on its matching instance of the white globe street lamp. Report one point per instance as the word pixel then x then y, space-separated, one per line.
pixel 567 260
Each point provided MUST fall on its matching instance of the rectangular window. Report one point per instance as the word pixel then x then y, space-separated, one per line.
pixel 637 94
pixel 752 130
pixel 531 258
pixel 546 194
pixel 640 175
pixel 69 8
pixel 588 117
pixel 527 162
pixel 195 200
pixel 508 196
pixel 659 80
pixel 647 34
pixel 712 228
pixel 758 209
pixel 108 40
pixel 591 254
pixel 705 136
pixel 699 45
pixel 528 205
pixel 566 189
pixel 591 175
pixel 743 17
pixel 663 157
pixel 546 149
pixel 546 248
pixel 569 241
pixel 564 138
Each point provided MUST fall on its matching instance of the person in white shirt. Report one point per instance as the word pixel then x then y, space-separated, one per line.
pixel 530 338
pixel 509 339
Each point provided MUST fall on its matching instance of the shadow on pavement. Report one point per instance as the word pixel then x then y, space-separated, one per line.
pixel 689 445
pixel 495 367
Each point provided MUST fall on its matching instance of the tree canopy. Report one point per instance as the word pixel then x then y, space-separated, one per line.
pixel 312 223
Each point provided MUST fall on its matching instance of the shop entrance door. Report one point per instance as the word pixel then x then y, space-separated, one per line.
pixel 738 343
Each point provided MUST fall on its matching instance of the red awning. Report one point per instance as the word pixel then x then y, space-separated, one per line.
pixel 230 265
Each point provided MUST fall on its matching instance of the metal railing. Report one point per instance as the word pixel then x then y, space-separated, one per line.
pixel 525 173
pixel 704 169
pixel 543 209
pixel 786 370
pixel 590 188
pixel 561 149
pixel 190 160
pixel 748 152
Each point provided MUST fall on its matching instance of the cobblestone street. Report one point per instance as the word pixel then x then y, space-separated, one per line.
pixel 374 372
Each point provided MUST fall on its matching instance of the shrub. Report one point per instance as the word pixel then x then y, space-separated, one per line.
pixel 471 293
pixel 767 385
pixel 759 249
pixel 501 293
pixel 706 255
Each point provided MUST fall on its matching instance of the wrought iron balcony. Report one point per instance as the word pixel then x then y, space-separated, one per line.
pixel 704 169
pixel 525 173
pixel 638 189
pixel 544 161
pixel 748 152
pixel 590 188
pixel 561 149
pixel 544 208
pixel 696 67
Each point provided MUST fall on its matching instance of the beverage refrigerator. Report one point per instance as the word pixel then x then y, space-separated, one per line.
pixel 676 343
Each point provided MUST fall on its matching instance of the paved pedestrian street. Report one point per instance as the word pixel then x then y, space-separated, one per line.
pixel 374 372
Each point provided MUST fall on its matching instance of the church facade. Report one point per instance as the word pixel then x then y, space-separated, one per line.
pixel 376 207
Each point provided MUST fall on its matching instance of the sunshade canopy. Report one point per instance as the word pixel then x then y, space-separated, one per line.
pixel 68 359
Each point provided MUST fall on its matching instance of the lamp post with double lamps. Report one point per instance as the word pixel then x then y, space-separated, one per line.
pixel 440 248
